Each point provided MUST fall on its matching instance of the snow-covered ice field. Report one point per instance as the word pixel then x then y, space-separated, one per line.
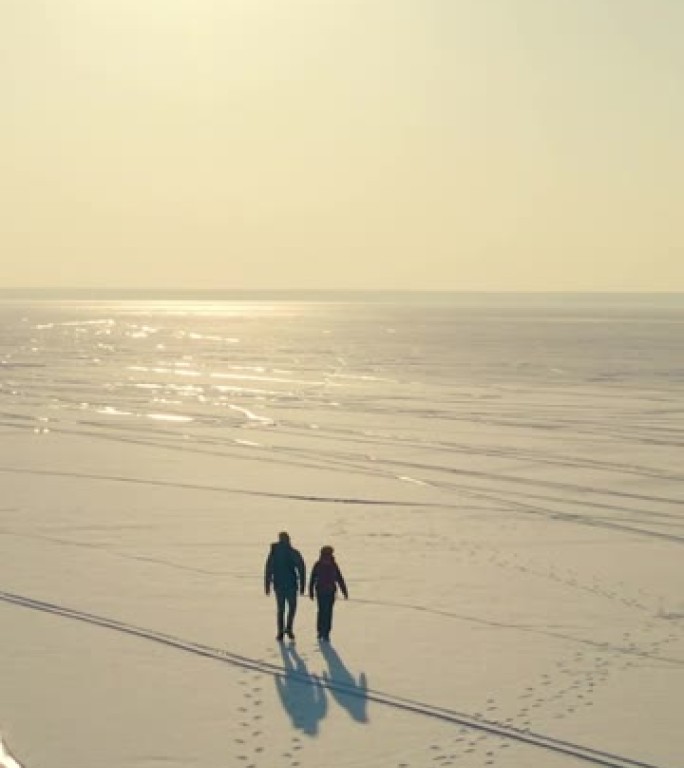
pixel 502 484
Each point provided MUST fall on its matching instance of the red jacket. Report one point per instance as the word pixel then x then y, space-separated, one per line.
pixel 326 576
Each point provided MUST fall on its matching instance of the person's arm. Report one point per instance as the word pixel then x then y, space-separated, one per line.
pixel 301 572
pixel 340 581
pixel 313 580
pixel 268 572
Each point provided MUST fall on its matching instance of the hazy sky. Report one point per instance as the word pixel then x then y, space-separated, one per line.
pixel 456 144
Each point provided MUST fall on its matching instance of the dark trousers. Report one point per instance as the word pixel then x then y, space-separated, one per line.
pixel 326 601
pixel 286 597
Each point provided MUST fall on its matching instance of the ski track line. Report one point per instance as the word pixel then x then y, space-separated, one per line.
pixel 565 517
pixel 563 461
pixel 560 460
pixel 572 461
pixel 604 646
pixel 576 518
pixel 109 551
pixel 534 482
pixel 349 463
pixel 221 489
pixel 600 645
pixel 530 738
pixel 498 453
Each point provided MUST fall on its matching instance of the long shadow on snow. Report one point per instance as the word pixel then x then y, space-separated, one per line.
pixel 301 693
pixel 398 703
pixel 347 692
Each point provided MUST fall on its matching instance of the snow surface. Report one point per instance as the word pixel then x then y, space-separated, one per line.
pixel 502 486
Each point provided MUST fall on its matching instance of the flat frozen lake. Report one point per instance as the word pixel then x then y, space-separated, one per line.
pixel 501 481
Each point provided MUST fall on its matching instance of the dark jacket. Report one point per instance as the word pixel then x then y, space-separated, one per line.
pixel 326 576
pixel 284 569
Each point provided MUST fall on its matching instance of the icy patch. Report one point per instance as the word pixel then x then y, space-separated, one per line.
pixel 168 417
pixel 251 415
pixel 111 411
pixel 407 479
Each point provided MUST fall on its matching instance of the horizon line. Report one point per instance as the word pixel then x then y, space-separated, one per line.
pixel 459 291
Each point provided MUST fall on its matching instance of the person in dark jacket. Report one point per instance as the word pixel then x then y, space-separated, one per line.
pixel 286 573
pixel 325 578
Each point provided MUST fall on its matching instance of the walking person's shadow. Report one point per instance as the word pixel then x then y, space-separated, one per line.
pixel 301 693
pixel 347 692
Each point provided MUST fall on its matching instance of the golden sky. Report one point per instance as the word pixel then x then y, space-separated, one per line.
pixel 437 144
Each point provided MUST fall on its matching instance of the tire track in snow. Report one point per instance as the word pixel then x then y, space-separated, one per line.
pixel 530 738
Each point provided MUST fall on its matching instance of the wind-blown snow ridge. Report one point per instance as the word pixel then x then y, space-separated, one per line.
pixel 587 754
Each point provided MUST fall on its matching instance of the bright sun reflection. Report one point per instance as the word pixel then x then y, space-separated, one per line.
pixel 203 308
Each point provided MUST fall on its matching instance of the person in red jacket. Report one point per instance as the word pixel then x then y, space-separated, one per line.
pixel 323 583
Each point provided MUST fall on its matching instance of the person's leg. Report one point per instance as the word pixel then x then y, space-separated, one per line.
pixel 330 612
pixel 280 611
pixel 319 615
pixel 291 611
pixel 326 604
